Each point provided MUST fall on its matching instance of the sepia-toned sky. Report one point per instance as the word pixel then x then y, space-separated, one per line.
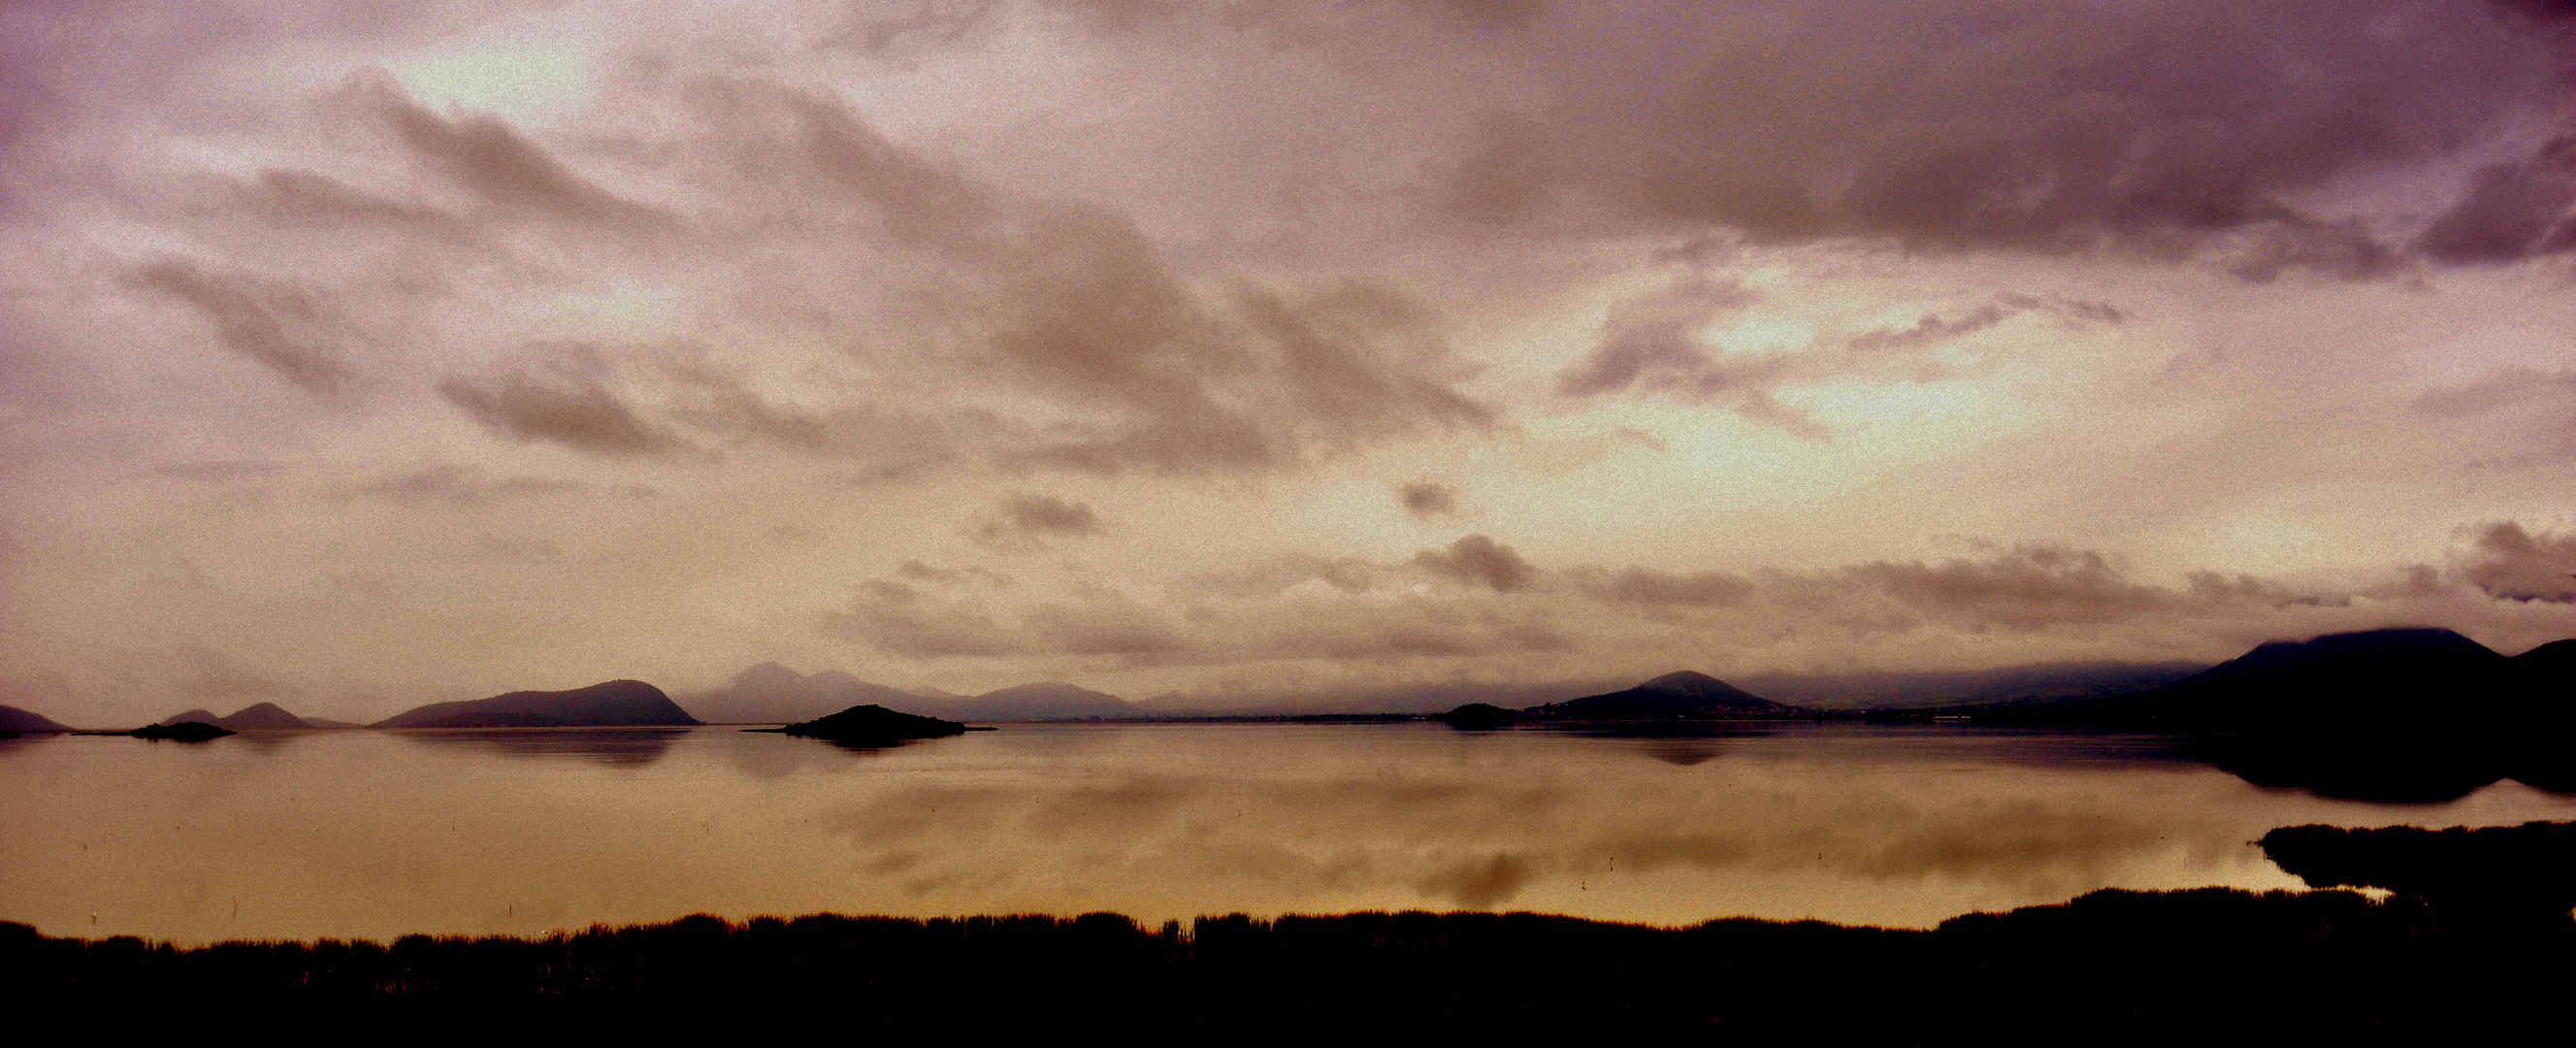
pixel 360 355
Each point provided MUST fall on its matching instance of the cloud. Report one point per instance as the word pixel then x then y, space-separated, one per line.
pixel 453 485
pixel 1477 559
pixel 1651 344
pixel 1425 499
pixel 1644 588
pixel 2513 210
pixel 484 155
pixel 1656 335
pixel 288 198
pixel 1118 628
pixel 287 328
pixel 213 676
pixel 2027 587
pixel 560 403
pixel 921 633
pixel 1026 520
pixel 2513 564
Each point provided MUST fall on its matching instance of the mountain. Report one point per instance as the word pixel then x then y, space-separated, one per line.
pixel 2339 682
pixel 1674 696
pixel 2547 675
pixel 25 722
pixel 773 694
pixel 265 716
pixel 614 704
pixel 1045 701
pixel 872 725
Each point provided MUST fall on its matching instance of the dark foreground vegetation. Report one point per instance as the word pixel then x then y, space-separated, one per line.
pixel 2113 966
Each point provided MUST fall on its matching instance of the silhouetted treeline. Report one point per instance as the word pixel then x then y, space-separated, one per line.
pixel 2112 966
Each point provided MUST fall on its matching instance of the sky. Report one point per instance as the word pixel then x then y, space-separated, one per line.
pixel 363 355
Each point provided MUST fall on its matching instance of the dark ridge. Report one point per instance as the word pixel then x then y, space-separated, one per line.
pixel 872 724
pixel 615 704
pixel 2397 715
pixel 184 731
pixel 2365 680
pixel 13 719
pixel 1674 696
pixel 2111 966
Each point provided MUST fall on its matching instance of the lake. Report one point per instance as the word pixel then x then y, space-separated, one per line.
pixel 366 834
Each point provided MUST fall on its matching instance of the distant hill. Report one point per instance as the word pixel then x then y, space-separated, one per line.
pixel 773 694
pixel 265 716
pixel 872 724
pixel 614 704
pixel 1674 696
pixel 2039 682
pixel 27 723
pixel 1045 701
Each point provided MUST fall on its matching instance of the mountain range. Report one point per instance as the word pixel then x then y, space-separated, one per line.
pixel 773 694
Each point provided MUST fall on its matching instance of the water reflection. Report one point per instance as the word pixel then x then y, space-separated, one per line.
pixel 384 833
pixel 617 747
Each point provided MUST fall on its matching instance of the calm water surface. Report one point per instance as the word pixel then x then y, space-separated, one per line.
pixel 377 834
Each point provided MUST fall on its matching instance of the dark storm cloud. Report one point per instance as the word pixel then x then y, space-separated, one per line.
pixel 289 329
pixel 1425 499
pixel 1477 559
pixel 2513 564
pixel 2027 587
pixel 562 406
pixel 2512 211
pixel 2047 127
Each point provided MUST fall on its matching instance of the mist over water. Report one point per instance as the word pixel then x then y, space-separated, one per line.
pixel 378 834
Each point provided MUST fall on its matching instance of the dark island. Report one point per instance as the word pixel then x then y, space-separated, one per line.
pixel 872 725
pixel 184 731
pixel 266 716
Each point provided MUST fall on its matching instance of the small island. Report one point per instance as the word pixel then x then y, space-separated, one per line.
pixel 184 731
pixel 873 725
